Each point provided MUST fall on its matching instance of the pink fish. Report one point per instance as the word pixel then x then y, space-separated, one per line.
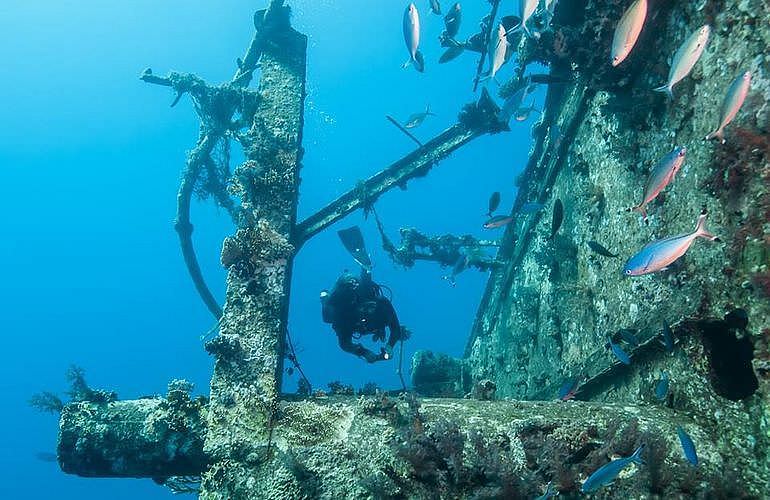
pixel 736 94
pixel 658 255
pixel 660 177
pixel 627 31
pixel 685 58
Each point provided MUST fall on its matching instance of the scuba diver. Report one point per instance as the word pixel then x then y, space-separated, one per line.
pixel 357 307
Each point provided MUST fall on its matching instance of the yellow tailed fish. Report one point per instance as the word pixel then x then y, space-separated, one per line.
pixel 685 58
pixel 736 94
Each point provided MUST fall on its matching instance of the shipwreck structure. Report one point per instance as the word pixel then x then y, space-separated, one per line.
pixel 545 317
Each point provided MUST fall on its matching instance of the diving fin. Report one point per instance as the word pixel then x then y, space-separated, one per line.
pixel 353 241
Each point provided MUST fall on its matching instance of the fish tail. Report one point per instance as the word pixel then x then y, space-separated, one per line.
pixel 717 134
pixel 700 228
pixel 666 90
pixel 641 210
pixel 637 456
pixel 419 62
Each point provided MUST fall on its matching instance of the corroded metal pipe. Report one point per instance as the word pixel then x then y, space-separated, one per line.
pixel 140 438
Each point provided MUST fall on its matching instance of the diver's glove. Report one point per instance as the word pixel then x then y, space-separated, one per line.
pixel 386 352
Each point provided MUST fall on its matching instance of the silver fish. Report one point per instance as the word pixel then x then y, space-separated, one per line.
pixel 452 20
pixel 411 27
pixel 528 8
pixel 435 7
pixel 736 94
pixel 660 177
pixel 498 50
pixel 522 114
pixel 658 255
pixel 627 31
pixel 685 58
pixel 513 102
pixel 416 119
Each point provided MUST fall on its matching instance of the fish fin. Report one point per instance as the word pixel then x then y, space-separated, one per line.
pixel 717 134
pixel 700 228
pixel 666 90
pixel 515 29
pixel 637 456
pixel 641 210
pixel 419 62
pixel 407 63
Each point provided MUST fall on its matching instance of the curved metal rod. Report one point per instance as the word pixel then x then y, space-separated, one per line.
pixel 184 227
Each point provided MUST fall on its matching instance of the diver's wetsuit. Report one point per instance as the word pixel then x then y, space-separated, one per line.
pixel 356 305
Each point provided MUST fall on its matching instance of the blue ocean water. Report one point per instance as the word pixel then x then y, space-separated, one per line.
pixel 90 160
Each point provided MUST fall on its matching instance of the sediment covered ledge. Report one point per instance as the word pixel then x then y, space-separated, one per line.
pixel 140 438
pixel 386 447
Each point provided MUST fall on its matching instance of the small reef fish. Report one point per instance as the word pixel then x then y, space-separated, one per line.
pixel 513 102
pixel 494 202
pixel 688 447
pixel 411 27
pixel 736 94
pixel 600 249
pixel 460 266
pixel 628 337
pixel 550 492
pixel 607 473
pixel 452 20
pixel 498 221
pixel 557 218
pixel 668 337
pixel 522 114
pixel 685 58
pixel 435 7
pixel 528 8
pixel 618 352
pixel 497 52
pixel 568 390
pixel 416 119
pixel 661 176
pixel 658 255
pixel 530 208
pixel 627 31
pixel 661 388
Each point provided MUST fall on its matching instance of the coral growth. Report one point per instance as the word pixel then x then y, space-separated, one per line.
pixel 337 388
pixel 761 282
pixel 46 402
pixel 79 391
pixel 734 162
